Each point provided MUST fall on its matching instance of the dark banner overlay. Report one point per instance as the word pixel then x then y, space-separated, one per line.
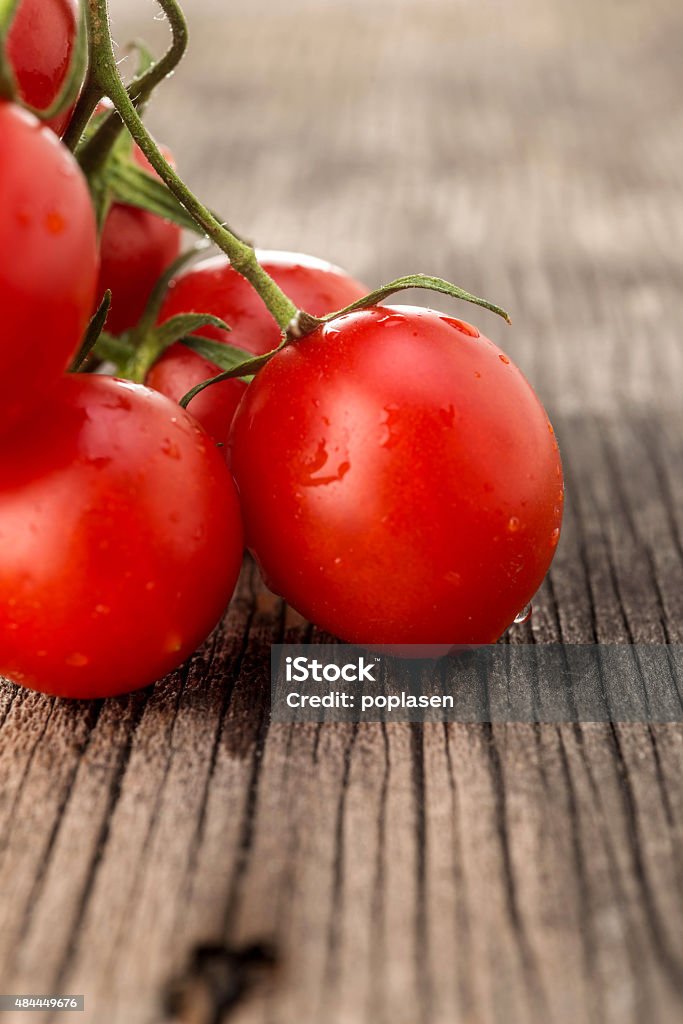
pixel 497 683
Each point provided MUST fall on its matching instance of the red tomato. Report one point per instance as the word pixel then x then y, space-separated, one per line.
pixel 214 287
pixel 39 46
pixel 400 481
pixel 120 540
pixel 48 239
pixel 135 249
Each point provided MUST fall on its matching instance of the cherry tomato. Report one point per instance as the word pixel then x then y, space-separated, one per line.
pixel 48 239
pixel 40 45
pixel 214 287
pixel 399 479
pixel 120 539
pixel 135 249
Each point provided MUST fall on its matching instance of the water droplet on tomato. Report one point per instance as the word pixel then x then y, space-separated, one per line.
pixel 77 660
pixel 54 222
pixel 461 326
pixel 392 320
pixel 318 462
pixel 389 423
pixel 554 537
pixel 524 615
pixel 170 449
pixel 174 643
pixel 513 524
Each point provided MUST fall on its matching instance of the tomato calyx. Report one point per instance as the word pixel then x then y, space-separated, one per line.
pixel 93 332
pixel 135 351
pixel 302 324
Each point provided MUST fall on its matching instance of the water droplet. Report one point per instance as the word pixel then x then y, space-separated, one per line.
pixel 392 320
pixel 170 449
pixel 447 415
pixel 77 660
pixel 54 222
pixel 460 325
pixel 503 358
pixel 524 615
pixel 389 422
pixel 317 463
pixel 554 537
pixel 513 524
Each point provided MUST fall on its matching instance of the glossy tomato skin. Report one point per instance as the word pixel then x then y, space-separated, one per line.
pixel 40 46
pixel 48 271
pixel 214 287
pixel 400 481
pixel 135 249
pixel 120 540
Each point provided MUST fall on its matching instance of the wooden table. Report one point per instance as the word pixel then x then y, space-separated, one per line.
pixel 445 874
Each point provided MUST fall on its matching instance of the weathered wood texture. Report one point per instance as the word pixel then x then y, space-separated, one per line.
pixel 460 874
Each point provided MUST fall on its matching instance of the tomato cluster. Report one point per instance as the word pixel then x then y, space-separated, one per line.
pixel 392 472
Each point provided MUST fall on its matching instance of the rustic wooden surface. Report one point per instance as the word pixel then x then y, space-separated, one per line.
pixel 459 874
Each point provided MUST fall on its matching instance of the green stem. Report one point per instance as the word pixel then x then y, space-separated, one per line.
pixel 87 101
pixel 97 149
pixel 142 86
pixel 242 257
pixel 8 84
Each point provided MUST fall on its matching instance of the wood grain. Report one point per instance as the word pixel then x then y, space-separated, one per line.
pixel 174 843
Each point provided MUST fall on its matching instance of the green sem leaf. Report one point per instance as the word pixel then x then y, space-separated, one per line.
pixel 435 284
